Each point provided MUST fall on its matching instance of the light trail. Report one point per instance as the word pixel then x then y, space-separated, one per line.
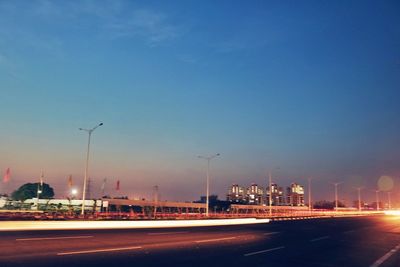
pixel 168 233
pixel 215 240
pixel 271 233
pixel 392 212
pixel 89 225
pixel 263 251
pixel 53 238
pixel 319 238
pixel 96 251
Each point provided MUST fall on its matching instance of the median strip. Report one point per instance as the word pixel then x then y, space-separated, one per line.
pixel 263 251
pixel 53 238
pixel 96 251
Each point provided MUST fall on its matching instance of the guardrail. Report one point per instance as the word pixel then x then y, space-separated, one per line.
pixel 276 216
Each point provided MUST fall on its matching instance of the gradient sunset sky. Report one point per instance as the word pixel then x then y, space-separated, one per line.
pixel 302 88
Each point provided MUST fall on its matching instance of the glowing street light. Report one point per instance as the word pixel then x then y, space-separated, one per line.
pixel 208 158
pixel 74 192
pixel 89 131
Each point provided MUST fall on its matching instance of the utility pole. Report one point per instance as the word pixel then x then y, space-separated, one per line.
pixel 270 193
pixel 377 199
pixel 155 199
pixel 309 194
pixel 359 198
pixel 39 189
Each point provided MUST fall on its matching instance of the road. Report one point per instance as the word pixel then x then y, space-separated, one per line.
pixel 362 241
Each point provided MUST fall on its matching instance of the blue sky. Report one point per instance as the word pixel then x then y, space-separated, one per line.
pixel 308 87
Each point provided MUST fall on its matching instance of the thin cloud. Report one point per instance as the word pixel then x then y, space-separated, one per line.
pixel 152 26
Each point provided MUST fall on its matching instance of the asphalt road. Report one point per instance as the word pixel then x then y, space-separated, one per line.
pixel 362 241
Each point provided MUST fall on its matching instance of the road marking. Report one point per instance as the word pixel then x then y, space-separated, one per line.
pixel 96 251
pixel 271 233
pixel 263 251
pixel 386 256
pixel 53 238
pixel 168 233
pixel 319 238
pixel 213 240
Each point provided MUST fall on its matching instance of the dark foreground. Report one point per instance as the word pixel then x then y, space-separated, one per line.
pixel 363 241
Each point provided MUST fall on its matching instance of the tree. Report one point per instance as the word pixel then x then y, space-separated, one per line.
pixel 30 190
pixel 329 205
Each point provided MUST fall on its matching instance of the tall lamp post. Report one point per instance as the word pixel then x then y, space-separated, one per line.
pixel 208 158
pixel 89 131
pixel 309 193
pixel 359 198
pixel 336 194
pixel 377 199
pixel 270 193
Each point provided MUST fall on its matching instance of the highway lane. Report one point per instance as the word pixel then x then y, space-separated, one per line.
pixel 362 241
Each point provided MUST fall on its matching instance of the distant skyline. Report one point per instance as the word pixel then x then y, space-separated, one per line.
pixel 304 89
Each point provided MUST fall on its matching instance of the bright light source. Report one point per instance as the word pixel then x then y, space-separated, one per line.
pixel 74 191
pixel 80 225
pixel 392 212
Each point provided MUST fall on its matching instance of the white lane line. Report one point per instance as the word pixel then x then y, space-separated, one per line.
pixel 213 240
pixel 271 233
pixel 319 238
pixel 96 251
pixel 168 233
pixel 263 251
pixel 386 256
pixel 53 238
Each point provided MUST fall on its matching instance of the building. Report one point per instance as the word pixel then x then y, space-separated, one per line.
pixel 295 195
pixel 236 194
pixel 277 198
pixel 254 195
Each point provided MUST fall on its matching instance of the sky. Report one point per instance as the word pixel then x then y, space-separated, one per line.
pixel 299 88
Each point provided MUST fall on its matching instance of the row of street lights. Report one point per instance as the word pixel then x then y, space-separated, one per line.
pixel 90 131
pixel 208 159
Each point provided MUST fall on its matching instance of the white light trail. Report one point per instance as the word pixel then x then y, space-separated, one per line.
pixel 93 225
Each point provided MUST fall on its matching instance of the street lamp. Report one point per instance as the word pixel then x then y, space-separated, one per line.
pixel 74 192
pixel 336 194
pixel 89 131
pixel 270 191
pixel 309 194
pixel 377 199
pixel 208 158
pixel 359 197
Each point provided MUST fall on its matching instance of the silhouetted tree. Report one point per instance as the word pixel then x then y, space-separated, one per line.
pixel 328 205
pixel 30 190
